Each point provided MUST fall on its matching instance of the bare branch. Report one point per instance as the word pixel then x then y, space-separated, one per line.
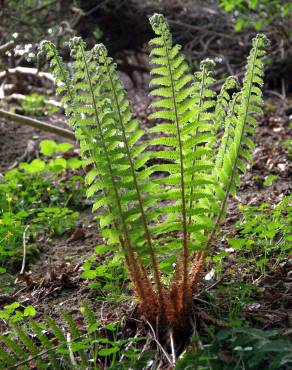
pixel 27 71
pixel 22 120
pixel 6 47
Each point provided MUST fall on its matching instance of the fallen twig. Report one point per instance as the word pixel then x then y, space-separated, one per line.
pixel 8 46
pixel 160 345
pixel 22 275
pixel 22 120
pixel 71 354
pixel 27 71
pixel 172 347
pixel 24 250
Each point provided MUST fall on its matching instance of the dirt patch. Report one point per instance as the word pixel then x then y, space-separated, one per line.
pixel 54 283
pixel 14 141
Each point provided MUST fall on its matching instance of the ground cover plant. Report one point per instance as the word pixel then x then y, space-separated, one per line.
pixel 173 218
pixel 265 231
pixel 257 13
pixel 33 199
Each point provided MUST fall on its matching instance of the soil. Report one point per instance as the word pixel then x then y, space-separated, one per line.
pixel 55 282
pixel 14 140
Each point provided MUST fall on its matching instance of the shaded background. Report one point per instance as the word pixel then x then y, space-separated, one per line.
pixel 220 29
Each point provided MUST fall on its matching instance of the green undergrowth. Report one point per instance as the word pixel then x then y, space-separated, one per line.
pixel 262 237
pixel 265 235
pixel 36 105
pixel 259 14
pixel 39 197
pixel 84 342
pixel 108 279
pixel 260 246
pixel 240 348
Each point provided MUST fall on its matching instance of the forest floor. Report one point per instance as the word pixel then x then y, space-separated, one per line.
pixel 55 284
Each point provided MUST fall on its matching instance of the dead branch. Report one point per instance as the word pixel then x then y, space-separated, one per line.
pixel 6 47
pixel 200 29
pixel 27 71
pixel 22 120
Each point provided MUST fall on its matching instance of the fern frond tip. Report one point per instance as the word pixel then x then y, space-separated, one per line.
pixel 262 40
pixel 159 24
pixel 208 64
pixel 100 52
pixel 232 82
pixel 76 42
pixel 45 44
pixel 45 48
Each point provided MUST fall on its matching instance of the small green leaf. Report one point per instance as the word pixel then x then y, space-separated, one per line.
pixel 29 311
pixel 64 147
pixel 262 262
pixel 268 234
pixel 74 163
pixel 48 147
pixel 108 351
pixel 11 307
pixel 239 25
pixel 78 346
pixel 58 164
pixel 269 180
pixel 100 249
pixel 258 25
pixel 37 165
pixel 252 4
pixel 112 326
pixel 237 243
pixel 93 327
pixel 89 274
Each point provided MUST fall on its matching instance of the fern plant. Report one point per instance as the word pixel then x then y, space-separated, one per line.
pixel 50 345
pixel 165 212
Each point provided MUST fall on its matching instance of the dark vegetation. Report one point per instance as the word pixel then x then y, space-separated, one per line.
pixel 185 262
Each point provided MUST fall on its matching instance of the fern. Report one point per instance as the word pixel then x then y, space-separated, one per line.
pixel 239 126
pixel 173 217
pixel 48 345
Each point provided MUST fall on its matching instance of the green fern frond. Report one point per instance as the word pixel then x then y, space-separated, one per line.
pixel 30 349
pixel 172 78
pixel 203 131
pixel 184 106
pixel 62 75
pixel 6 358
pixel 100 140
pixel 59 337
pixel 14 346
pixel 222 101
pixel 47 345
pixel 128 134
pixel 236 145
pixel 25 339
